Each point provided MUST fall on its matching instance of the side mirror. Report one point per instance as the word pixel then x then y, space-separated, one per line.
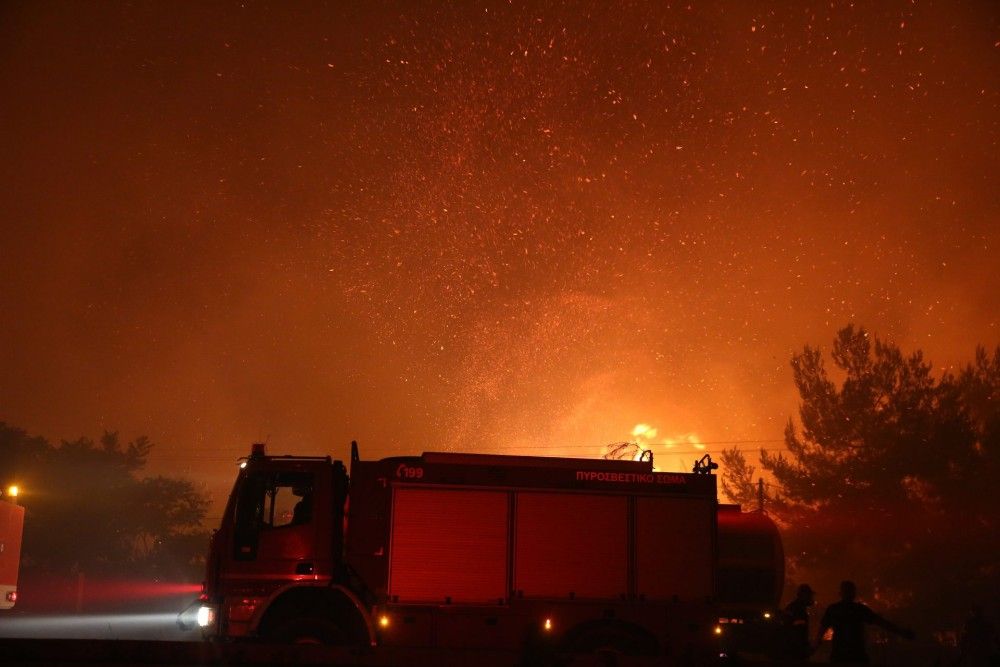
pixel 249 509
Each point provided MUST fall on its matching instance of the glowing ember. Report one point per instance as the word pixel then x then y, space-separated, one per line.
pixel 476 225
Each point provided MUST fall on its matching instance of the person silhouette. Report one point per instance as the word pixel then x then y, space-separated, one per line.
pixel 848 618
pixel 795 643
pixel 302 513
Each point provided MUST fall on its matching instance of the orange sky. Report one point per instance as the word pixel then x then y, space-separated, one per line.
pixel 491 228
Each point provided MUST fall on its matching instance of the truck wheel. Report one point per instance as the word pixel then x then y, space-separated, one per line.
pixel 310 630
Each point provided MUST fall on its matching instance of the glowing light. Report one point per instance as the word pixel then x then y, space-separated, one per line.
pixel 123 589
pixel 13 490
pixel 767 614
pixel 548 625
pixel 688 440
pixel 644 431
pixel 243 464
pixel 206 616
pixel 95 626
pixel 718 629
pixel 383 621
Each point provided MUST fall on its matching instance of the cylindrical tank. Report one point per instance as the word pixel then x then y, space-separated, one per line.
pixel 751 570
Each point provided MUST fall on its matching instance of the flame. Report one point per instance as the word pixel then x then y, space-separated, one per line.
pixel 671 452
pixel 674 451
pixel 688 440
pixel 644 432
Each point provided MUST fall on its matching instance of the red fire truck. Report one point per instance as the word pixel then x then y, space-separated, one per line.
pixel 11 525
pixel 467 551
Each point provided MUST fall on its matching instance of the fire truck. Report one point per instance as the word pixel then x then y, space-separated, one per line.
pixel 476 551
pixel 11 526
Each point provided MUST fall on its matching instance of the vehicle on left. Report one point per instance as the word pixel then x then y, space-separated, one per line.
pixel 11 529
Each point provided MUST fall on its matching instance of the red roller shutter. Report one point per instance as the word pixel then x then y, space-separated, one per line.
pixel 448 544
pixel 571 543
pixel 674 548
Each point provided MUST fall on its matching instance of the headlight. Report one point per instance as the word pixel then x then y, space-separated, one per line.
pixel 205 616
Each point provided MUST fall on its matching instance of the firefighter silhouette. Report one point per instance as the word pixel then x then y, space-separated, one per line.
pixel 848 618
pixel 302 513
pixel 795 635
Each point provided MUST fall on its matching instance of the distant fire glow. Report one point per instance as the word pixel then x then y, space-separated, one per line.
pixel 644 432
pixel 690 440
pixel 470 224
pixel 645 437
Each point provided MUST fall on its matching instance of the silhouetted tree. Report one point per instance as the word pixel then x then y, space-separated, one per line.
pixel 88 510
pixel 889 474
pixel 737 480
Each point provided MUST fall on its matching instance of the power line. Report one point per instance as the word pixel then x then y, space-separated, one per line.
pixel 650 444
pixel 668 446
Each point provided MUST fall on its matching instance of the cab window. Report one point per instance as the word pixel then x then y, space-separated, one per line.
pixel 288 499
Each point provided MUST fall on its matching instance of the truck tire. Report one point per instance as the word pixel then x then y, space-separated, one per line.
pixel 309 630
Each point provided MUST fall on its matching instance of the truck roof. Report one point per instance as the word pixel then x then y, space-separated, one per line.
pixel 459 458
pixel 539 472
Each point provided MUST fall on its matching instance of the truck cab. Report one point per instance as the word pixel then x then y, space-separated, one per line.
pixel 275 564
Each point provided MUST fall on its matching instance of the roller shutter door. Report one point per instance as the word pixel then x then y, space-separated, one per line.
pixel 674 548
pixel 448 544
pixel 571 543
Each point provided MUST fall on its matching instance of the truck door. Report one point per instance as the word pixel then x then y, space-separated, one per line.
pixel 279 516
